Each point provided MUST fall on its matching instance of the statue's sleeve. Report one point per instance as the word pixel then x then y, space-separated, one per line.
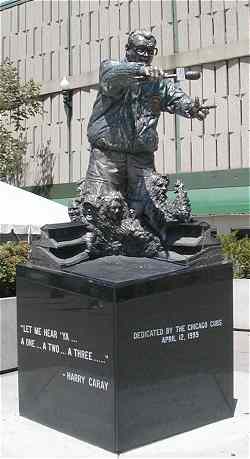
pixel 115 77
pixel 175 100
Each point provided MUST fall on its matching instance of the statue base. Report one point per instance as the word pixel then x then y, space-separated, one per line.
pixel 62 245
pixel 121 352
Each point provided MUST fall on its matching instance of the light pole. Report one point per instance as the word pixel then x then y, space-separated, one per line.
pixel 67 102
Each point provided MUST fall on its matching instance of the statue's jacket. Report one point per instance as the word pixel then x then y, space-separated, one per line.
pixel 127 109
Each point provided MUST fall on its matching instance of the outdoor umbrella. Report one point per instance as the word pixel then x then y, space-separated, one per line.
pixel 24 212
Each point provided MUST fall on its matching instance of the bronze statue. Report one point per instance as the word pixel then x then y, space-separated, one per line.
pixel 122 128
pixel 123 207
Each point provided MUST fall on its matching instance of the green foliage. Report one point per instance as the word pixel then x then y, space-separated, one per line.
pixel 238 251
pixel 11 254
pixel 18 102
pixel 12 151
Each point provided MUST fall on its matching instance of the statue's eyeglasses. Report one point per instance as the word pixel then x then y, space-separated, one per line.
pixel 145 51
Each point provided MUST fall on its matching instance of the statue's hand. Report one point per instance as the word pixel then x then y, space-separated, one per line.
pixel 198 111
pixel 154 73
pixel 202 114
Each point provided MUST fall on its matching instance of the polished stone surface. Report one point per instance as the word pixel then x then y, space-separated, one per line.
pixel 127 358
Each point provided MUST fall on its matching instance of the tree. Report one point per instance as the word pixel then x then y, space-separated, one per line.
pixel 19 101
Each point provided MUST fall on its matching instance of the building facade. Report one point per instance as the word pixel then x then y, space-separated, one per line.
pixel 50 39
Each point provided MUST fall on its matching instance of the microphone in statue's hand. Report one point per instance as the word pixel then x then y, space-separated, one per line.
pixel 155 73
pixel 192 75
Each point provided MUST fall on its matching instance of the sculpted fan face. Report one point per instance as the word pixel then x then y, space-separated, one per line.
pixel 141 48
pixel 114 211
pixel 159 186
pixel 88 214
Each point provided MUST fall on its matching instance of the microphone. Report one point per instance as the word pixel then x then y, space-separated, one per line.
pixel 188 75
pixel 192 75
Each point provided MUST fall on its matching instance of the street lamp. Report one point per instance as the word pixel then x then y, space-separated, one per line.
pixel 67 96
pixel 67 102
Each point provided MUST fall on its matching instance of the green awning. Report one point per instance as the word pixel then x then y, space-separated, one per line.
pixel 221 192
pixel 64 201
pixel 212 201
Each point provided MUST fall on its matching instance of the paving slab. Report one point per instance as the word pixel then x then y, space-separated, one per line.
pixel 230 437
pixel 241 300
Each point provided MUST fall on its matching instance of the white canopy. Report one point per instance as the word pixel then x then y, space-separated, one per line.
pixel 26 212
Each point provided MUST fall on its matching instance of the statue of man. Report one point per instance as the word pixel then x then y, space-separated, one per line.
pixel 122 128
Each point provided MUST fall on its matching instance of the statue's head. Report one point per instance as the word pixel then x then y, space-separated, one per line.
pixel 141 47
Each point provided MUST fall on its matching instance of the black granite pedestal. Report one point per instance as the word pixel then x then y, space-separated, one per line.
pixel 121 352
